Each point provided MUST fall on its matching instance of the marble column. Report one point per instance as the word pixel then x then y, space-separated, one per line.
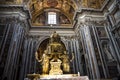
pixel 89 50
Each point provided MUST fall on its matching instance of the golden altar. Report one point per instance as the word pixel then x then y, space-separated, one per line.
pixel 55 68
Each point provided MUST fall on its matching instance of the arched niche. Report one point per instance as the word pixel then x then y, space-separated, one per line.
pixel 43 46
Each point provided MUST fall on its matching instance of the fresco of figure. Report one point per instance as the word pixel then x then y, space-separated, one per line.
pixel 107 52
pixel 66 6
pixel 38 5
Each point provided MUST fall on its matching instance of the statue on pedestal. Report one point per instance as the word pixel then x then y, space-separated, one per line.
pixel 45 61
pixel 65 62
pixel 108 52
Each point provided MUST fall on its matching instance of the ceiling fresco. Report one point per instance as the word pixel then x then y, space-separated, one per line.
pixel 95 4
pixel 65 9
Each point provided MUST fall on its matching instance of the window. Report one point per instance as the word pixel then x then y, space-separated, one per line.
pixel 52 18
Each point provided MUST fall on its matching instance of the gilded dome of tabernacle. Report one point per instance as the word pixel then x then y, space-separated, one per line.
pixel 55 37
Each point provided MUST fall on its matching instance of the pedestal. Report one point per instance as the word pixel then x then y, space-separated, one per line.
pixel 55 68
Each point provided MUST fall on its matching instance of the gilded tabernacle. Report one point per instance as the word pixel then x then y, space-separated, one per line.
pixel 54 60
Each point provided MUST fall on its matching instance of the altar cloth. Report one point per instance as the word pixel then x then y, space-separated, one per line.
pixel 67 78
pixel 56 77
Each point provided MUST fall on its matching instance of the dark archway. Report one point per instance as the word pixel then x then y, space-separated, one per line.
pixel 43 46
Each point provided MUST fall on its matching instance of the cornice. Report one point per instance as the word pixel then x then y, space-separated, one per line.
pixel 18 11
pixel 15 9
pixel 82 10
pixel 47 32
pixel 89 14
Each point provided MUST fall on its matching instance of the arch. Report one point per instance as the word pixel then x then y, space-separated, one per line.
pixel 43 42
pixel 40 40
pixel 36 14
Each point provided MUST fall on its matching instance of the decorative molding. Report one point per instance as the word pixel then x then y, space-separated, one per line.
pixel 14 9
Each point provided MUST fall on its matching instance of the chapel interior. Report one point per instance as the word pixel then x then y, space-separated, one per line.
pixel 51 39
